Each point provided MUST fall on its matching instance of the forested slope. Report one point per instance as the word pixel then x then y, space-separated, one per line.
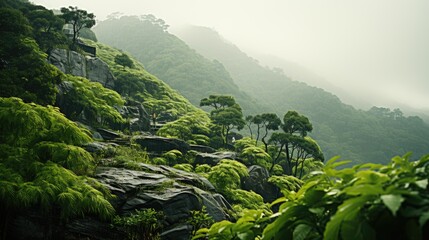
pixel 169 58
pixel 340 129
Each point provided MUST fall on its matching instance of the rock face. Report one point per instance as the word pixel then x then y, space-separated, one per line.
pixel 163 188
pixel 166 189
pixel 139 118
pixel 161 144
pixel 78 65
pixel 258 182
pixel 213 158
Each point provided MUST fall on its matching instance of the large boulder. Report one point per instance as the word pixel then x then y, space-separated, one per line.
pixel 166 189
pixel 258 182
pixel 213 158
pixel 98 71
pixel 77 64
pixel 161 144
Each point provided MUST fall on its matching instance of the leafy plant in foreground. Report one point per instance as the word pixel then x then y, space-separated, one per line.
pixel 367 201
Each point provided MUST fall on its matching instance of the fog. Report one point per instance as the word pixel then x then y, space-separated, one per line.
pixel 377 51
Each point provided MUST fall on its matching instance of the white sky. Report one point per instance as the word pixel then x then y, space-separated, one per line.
pixel 377 48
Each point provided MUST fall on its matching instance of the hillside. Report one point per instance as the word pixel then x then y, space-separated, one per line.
pixel 169 58
pixel 340 129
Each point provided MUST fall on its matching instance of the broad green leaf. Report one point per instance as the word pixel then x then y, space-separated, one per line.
pixel 346 212
pixel 301 232
pixel 364 189
pixel 422 183
pixel 246 235
pixel 393 202
pixel 357 229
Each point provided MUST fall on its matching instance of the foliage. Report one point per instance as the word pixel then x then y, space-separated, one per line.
pixel 203 170
pixel 289 183
pixel 91 99
pixel 184 167
pixel 200 219
pixel 145 224
pixel 173 157
pixel 192 127
pixel 227 114
pixel 124 60
pixel 248 227
pixel 297 146
pixel 41 162
pixel 129 157
pixel 170 59
pixel 24 71
pixel 256 156
pixel 78 18
pixel 226 176
pixel 367 201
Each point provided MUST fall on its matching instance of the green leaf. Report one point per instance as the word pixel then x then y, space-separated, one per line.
pixel 393 202
pixel 422 183
pixel 301 232
pixel 364 189
pixel 423 219
pixel 246 235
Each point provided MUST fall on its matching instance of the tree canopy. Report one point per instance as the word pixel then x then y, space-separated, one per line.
pixel 78 18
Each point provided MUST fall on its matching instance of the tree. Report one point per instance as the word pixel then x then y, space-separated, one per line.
pixel 78 19
pixel 24 72
pixel 124 60
pixel 270 121
pixel 227 114
pixel 218 101
pixel 294 141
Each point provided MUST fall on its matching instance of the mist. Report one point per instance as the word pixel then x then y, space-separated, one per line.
pixel 375 51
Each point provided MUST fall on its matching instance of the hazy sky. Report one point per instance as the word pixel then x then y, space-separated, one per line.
pixel 378 48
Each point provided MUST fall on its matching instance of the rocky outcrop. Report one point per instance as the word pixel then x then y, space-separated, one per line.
pixel 213 158
pixel 172 191
pixel 161 144
pixel 137 114
pixel 77 64
pixel 258 182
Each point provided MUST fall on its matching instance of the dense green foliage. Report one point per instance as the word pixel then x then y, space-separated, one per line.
pixel 24 72
pixel 338 128
pixel 43 167
pixel 141 225
pixel 227 114
pixel 367 201
pixel 170 59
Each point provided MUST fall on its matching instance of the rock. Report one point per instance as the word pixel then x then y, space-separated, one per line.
pixel 139 118
pixel 202 148
pixel 98 71
pixel 258 182
pixel 161 144
pixel 166 189
pixel 107 134
pixel 172 191
pixel 77 64
pixel 101 148
pixel 213 158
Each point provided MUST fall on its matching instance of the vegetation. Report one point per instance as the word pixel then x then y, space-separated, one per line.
pixel 145 224
pixel 43 167
pixel 340 129
pixel 367 201
pixel 226 114
pixel 170 59
pixel 78 18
